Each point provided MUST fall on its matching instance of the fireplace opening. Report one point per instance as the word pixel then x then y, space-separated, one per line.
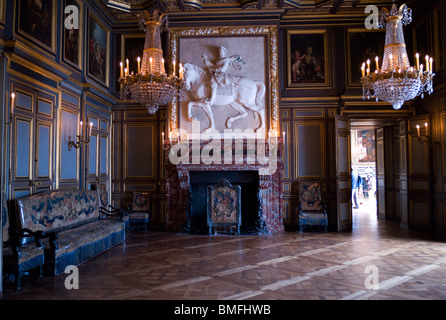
pixel 249 183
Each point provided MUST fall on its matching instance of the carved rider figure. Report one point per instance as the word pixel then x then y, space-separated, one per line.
pixel 218 69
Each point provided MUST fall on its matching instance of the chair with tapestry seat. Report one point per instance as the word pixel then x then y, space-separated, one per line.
pixel 139 213
pixel 312 211
pixel 23 253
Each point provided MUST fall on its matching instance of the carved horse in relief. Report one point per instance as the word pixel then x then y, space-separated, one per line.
pixel 245 94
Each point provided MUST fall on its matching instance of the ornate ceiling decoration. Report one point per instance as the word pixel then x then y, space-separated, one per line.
pixel 123 8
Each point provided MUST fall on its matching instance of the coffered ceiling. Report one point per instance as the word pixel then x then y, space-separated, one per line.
pixel 124 9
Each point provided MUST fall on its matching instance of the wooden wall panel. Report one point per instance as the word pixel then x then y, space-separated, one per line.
pixel 138 160
pixel 138 155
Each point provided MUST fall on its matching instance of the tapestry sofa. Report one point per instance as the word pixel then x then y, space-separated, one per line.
pixel 71 228
pixel 22 251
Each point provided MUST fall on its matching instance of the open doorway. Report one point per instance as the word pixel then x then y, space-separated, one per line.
pixel 363 163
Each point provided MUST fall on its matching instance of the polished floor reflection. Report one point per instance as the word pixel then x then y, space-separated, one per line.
pixel 377 260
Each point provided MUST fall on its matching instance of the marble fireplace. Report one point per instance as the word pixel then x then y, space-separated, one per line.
pixel 261 194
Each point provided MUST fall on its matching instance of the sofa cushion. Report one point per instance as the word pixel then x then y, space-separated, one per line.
pixel 70 240
pixel 307 218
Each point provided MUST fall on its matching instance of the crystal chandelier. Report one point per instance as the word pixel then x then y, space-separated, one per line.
pixel 396 81
pixel 150 85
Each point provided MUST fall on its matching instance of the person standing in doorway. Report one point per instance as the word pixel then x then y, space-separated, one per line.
pixel 356 182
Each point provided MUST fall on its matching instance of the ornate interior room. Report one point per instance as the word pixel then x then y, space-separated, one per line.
pixel 205 149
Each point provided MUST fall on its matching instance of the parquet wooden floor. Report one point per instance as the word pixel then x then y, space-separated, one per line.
pixel 282 266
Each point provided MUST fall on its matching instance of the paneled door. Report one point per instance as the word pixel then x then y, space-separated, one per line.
pixel 343 174
pixel 32 132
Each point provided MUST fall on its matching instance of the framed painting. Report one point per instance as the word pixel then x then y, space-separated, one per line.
pixel 249 55
pixel 426 38
pixel 307 63
pixel 132 47
pixel 2 11
pixel 98 50
pixel 37 21
pixel 72 52
pixel 362 44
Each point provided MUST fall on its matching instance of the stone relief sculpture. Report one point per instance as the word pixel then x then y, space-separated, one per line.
pixel 214 86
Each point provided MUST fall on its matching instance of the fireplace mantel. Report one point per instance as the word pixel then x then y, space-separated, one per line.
pixel 269 195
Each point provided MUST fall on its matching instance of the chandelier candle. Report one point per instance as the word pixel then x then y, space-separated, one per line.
pixel 396 81
pixel 151 86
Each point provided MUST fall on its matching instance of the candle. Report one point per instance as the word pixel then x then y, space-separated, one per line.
pixel 122 69
pixel 151 66
pixel 91 126
pixel 431 64
pixel 162 66
pixel 368 64
pixel 80 128
pixel 126 72
pixel 417 56
pixel 12 102
pixel 163 137
pixel 368 71
pixel 377 63
pixel 363 70
pixel 427 63
pixel 127 65
pixel 426 125
pixel 139 64
pixel 391 61
pixel 421 68
pixel 418 130
pixel 181 71
pixel 173 73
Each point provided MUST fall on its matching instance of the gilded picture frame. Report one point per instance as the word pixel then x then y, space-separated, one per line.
pixel 262 58
pixel 2 11
pixel 362 44
pixel 72 52
pixel 37 23
pixel 307 59
pixel 98 50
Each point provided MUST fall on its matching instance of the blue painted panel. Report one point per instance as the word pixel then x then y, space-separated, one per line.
pixel 68 165
pixel 22 147
pixel 95 122
pixel 21 193
pixel 23 101
pixel 93 155
pixel 44 107
pixel 103 125
pixel 44 151
pixel 104 155
pixel 69 98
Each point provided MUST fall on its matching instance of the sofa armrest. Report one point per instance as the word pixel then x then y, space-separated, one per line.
pixel 51 235
pixel 118 213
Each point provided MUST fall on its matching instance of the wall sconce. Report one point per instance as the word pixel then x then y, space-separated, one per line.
pixel 423 139
pixel 80 138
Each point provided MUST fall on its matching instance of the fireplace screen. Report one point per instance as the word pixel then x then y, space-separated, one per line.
pixel 223 206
